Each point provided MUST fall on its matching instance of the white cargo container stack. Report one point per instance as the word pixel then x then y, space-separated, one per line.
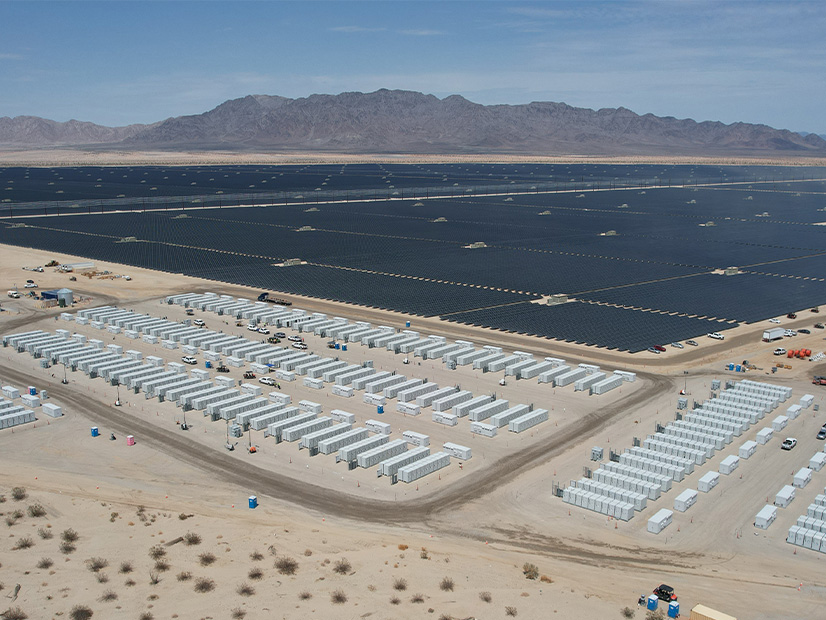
pixel 764 435
pixel 463 408
pixel 779 423
pixel 504 417
pixel 390 466
pixel 785 496
pixel 271 416
pixel 280 398
pixel 446 403
pixel 417 439
pixel 393 390
pixel 334 444
pixel 350 378
pixel 297 432
pixel 425 400
pixel 817 461
pixel 277 429
pixel 765 517
pixel 423 467
pixel 598 502
pixel 411 394
pixel 806 401
pixel 349 453
pixel 483 412
pixel 802 478
pixel 529 420
pixel 607 384
pixel 331 376
pixel 408 408
pixel 708 481
pixel 378 386
pixel 380 428
pixel 310 440
pixel 586 382
pixel 747 449
pixel 661 520
pixel 284 375
pixel 569 377
pixel 483 429
pixel 793 411
pixel 685 500
pixel 448 419
pixel 462 453
pixel 636 499
pixel 374 456
pixel 483 363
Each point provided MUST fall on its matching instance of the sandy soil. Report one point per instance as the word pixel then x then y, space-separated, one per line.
pixel 479 524
pixel 81 157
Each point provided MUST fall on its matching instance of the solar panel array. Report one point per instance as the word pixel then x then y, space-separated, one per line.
pixel 650 251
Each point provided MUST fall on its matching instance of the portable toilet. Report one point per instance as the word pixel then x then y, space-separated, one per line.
pixel 653 602
pixel 95 431
pixel 208 364
pixel 344 347
pixel 380 409
pixel 253 501
pixel 673 609
pixel 130 440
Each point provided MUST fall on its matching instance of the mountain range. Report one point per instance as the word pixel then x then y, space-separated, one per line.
pixel 395 121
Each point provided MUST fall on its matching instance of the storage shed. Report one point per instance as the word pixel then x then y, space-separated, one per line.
pixel 685 500
pixel 661 520
pixel 765 517
pixel 708 481
pixel 747 449
pixel 764 435
pixel 784 497
pixel 802 477
pixel 729 464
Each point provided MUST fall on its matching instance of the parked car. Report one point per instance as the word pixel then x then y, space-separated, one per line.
pixel 789 333
pixel 791 315
pixel 677 345
pixel 273 340
pixel 819 381
pixel 198 322
pixel 188 359
pixel 692 343
pixel 774 320
pixel 30 285
pixel 789 443
pixel 819 326
pixel 803 331
pixel 299 345
pixel 665 593
pixel 295 339
pixel 659 347
pixel 263 330
pixel 780 351
pixel 280 335
pixel 267 381
pixel 716 336
pixel 252 327
pixel 821 434
pixel 653 350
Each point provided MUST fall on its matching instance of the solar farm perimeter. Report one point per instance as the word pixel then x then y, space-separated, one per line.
pixel 638 250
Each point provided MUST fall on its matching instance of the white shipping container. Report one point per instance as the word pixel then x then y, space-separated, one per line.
pixel 408 408
pixel 661 520
pixel 685 500
pixel 350 452
pixel 310 406
pixel 377 455
pixel 486 430
pixel 381 428
pixel 448 402
pixel 784 497
pixel 377 400
pixel 390 466
pixel 802 477
pixel 708 481
pixel 729 464
pixel 457 451
pixel 780 422
pixel 343 416
pixel 817 462
pixel 764 435
pixel 747 449
pixel 284 375
pixel 417 439
pixel 51 410
pixel 529 420
pixel 280 398
pixel 442 417
pixel 343 390
pixel 315 384
pixel 423 467
pixel 765 517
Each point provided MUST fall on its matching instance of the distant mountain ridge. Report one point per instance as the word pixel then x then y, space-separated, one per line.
pixel 396 121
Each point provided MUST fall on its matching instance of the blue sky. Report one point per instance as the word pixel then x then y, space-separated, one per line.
pixel 121 62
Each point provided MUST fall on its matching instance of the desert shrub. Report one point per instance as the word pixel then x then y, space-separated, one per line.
pixel 69 535
pixel 109 595
pixel 338 597
pixel 161 566
pixel 627 612
pixel 256 556
pixel 531 571
pixel 154 578
pixel 67 547
pixel 510 611
pixel 238 614
pixel 97 564
pixel 204 584
pixel 36 510
pixel 417 598
pixel 157 552
pixel 45 563
pixel 304 595
pixel 485 596
pixel 308 553
pixel 146 615
pixel 23 543
pixel 19 494
pixel 44 533
pixel 655 615
pixel 184 576
pixel 395 600
pixel 245 589
pixel 342 566
pixel 446 584
pixel 423 554
pixel 191 538
pixel 102 577
pixel 255 574
pixel 125 567
pixel 206 559
pixel 400 584
pixel 80 612
pixel 286 566
pixel 129 583
pixel 14 613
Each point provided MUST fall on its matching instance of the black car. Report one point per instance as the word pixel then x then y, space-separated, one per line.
pixel 665 593
pixel 803 331
pixel 821 434
pixel 819 326
pixel 791 315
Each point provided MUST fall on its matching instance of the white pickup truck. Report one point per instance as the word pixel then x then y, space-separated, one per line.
pixel 14 294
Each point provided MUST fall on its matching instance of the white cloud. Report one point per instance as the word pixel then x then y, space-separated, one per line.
pixel 423 33
pixel 355 29
pixel 5 56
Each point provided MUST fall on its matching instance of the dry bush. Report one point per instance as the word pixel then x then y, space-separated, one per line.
pixel 97 564
pixel 395 600
pixel 255 574
pixel 446 584
pixel 238 614
pixel 423 554
pixel 403 547
pixel 129 583
pixel 204 584
pixel 531 571
pixel 342 566
pixel 184 576
pixel 161 566
pixel 338 597
pixel 206 559
pixel 305 596
pixel 286 566
pixel 154 578
pixel 14 613
pixel 485 596
pixel 102 577
pixel 400 584
pixel 546 579
pixel 191 538
pixel 256 556
pixel 36 510
pixel 45 534
pixel 45 563
pixel 81 612
pixel 69 535
pixel 23 543
pixel 510 611
pixel 67 547
pixel 19 494
pixel 245 589
pixel 417 598
pixel 13 517
pixel 147 615
pixel 183 516
pixel 655 615
pixel 157 552
pixel 125 567
pixel 627 612
pixel 308 553
pixel 109 595
pixel 445 617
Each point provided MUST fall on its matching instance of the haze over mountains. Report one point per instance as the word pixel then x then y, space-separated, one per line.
pixel 395 121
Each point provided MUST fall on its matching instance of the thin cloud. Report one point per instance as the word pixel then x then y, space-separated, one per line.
pixel 10 56
pixel 355 29
pixel 423 33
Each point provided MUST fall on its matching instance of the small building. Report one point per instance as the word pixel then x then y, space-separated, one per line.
pixel 64 296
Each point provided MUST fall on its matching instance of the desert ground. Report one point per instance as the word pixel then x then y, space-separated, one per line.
pixel 162 529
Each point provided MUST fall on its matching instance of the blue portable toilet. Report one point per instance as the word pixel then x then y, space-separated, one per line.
pixel 338 346
pixel 407 324
pixel 380 409
pixel 32 391
pixel 208 364
pixel 731 366
pixel 673 609
pixel 253 501
pixel 738 368
pixel 95 431
pixel 653 601
pixel 344 347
